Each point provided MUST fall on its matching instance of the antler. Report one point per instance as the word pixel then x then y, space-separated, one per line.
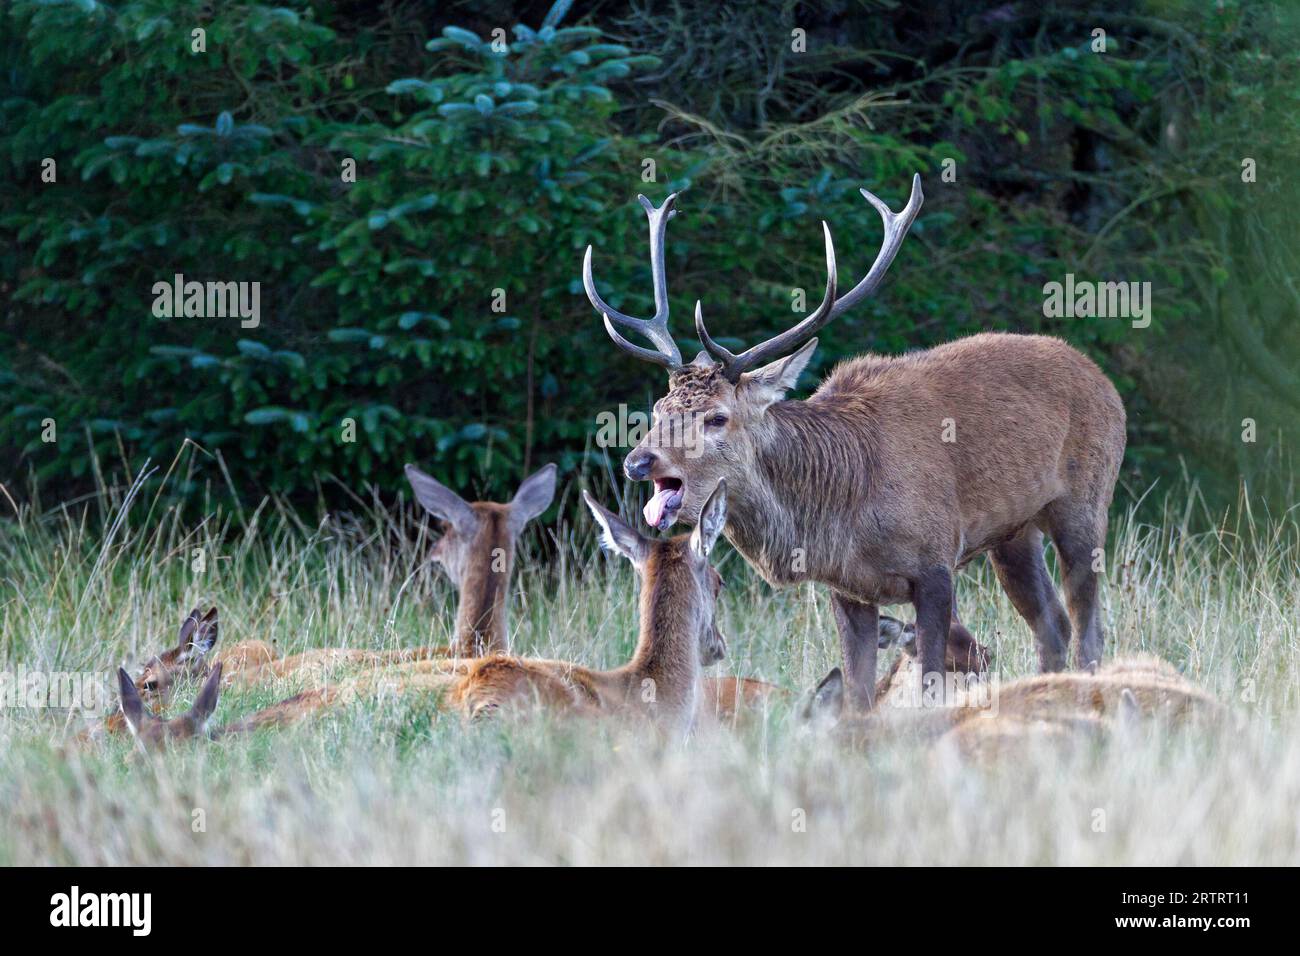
pixel 896 227
pixel 655 329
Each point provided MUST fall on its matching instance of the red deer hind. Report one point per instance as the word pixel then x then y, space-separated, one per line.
pixel 857 488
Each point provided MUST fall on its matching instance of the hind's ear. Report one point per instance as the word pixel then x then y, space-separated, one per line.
pixel 1130 712
pixel 188 627
pixel 206 702
pixel 202 637
pixel 132 705
pixel 616 534
pixel 892 631
pixel 441 502
pixel 713 518
pixel 827 701
pixel 533 497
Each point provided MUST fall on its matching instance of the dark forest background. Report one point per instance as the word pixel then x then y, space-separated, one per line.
pixel 480 170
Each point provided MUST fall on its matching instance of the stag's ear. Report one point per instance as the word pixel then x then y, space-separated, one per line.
pixel 206 702
pixel 713 516
pixel 441 502
pixel 533 497
pixel 198 636
pixel 770 383
pixel 132 705
pixel 616 534
pixel 827 701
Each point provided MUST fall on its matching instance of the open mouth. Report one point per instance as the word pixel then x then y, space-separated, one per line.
pixel 661 510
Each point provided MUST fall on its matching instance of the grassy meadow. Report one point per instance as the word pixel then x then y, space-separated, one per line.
pixel 395 782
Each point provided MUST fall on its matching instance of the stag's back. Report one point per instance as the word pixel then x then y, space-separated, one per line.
pixel 1000 424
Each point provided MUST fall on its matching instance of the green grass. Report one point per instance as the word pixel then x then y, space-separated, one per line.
pixel 396 782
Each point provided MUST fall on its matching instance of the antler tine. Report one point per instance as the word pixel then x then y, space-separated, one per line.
pixel 734 366
pixel 655 329
pixel 896 227
pixel 668 361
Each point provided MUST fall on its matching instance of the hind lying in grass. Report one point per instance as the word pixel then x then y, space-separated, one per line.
pixel 678 636
pixel 984 721
pixel 477 536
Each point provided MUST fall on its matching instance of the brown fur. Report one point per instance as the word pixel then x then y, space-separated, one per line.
pixel 477 550
pixel 155 733
pixel 481 615
pixel 962 655
pixel 193 657
pixel 661 682
pixel 1057 710
pixel 468 564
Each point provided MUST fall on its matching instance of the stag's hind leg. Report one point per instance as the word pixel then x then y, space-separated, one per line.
pixel 1079 533
pixel 1022 571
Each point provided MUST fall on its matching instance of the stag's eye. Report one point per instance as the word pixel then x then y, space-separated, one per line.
pixel 715 421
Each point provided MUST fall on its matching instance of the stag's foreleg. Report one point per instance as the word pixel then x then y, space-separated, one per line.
pixel 933 599
pixel 859 627
pixel 1022 572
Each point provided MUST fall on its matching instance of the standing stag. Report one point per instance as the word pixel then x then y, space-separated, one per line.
pixel 857 488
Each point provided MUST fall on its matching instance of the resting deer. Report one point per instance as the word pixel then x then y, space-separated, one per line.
pixel 476 554
pixel 154 731
pixel 963 655
pixel 191 657
pixel 896 472
pixel 1061 709
pixel 244 664
pixel 477 551
pixel 678 636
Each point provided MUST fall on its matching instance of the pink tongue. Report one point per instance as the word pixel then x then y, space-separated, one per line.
pixel 656 506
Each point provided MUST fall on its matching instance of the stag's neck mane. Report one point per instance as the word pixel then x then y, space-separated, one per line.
pixel 811 479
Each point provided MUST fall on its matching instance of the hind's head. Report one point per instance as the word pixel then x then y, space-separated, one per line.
pixel 962 654
pixel 188 658
pixel 479 537
pixel 678 583
pixel 157 732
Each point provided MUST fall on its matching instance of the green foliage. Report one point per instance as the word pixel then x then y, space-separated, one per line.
pixel 433 306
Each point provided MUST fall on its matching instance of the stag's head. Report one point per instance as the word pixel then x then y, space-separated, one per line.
pixel 712 420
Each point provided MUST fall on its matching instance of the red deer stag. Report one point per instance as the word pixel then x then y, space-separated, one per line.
pixel 857 488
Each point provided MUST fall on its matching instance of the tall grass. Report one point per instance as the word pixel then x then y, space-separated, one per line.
pixel 391 782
